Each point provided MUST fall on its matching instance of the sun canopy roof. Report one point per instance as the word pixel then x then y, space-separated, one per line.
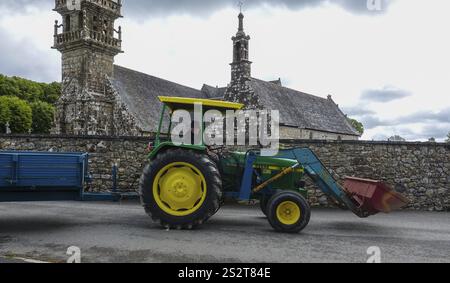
pixel 188 103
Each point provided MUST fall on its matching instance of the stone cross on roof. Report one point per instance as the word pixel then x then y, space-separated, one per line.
pixel 240 4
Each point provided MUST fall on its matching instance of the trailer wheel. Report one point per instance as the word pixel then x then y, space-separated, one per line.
pixel 181 189
pixel 288 212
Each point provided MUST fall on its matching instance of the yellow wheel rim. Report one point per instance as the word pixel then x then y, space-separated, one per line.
pixel 288 213
pixel 179 189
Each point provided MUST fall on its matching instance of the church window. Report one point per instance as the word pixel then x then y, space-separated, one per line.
pixel 67 27
pixel 237 52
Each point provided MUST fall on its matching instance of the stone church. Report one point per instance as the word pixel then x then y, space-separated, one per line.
pixel 100 98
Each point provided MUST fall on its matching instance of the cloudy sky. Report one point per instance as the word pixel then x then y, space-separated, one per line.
pixel 388 68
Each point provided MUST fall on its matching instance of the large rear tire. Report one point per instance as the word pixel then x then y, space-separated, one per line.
pixel 181 189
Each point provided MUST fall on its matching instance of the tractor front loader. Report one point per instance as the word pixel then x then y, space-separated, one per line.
pixel 184 185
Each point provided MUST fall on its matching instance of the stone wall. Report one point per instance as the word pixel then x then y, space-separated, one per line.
pixel 295 133
pixel 130 154
pixel 421 171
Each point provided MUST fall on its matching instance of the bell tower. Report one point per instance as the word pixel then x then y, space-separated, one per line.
pixel 241 66
pixel 88 41
pixel 239 89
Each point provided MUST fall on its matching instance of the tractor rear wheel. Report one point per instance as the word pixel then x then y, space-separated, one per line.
pixel 181 189
pixel 288 212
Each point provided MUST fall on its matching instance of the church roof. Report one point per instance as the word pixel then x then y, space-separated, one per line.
pixel 298 109
pixel 140 93
pixel 214 92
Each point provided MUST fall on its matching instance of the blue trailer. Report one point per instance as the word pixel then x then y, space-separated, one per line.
pixel 42 176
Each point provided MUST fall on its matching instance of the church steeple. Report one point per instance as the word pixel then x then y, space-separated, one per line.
pixel 88 40
pixel 241 66
pixel 241 22
pixel 239 89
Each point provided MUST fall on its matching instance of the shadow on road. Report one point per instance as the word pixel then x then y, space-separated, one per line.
pixel 359 227
pixel 32 224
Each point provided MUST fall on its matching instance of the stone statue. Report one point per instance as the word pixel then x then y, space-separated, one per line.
pixel 8 130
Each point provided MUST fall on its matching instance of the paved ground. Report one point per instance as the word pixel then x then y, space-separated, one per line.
pixel 107 232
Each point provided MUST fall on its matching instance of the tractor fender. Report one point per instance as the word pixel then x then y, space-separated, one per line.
pixel 169 145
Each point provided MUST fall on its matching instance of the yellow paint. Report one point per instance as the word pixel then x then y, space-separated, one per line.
pixel 276 168
pixel 179 189
pixel 170 101
pixel 288 213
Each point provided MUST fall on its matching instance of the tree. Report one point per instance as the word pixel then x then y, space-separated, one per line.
pixel 52 92
pixel 448 137
pixel 22 99
pixel 43 115
pixel 17 113
pixel 29 90
pixel 5 114
pixel 359 127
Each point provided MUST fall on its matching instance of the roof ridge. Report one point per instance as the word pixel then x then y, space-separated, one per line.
pixel 215 87
pixel 281 86
pixel 151 76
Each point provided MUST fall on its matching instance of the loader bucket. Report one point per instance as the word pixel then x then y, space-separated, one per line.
pixel 374 196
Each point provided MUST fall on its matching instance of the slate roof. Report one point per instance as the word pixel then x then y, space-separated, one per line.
pixel 140 93
pixel 298 109
pixel 214 92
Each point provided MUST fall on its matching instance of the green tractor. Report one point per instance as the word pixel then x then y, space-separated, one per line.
pixel 184 185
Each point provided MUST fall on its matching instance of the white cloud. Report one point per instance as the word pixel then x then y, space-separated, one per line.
pixel 320 50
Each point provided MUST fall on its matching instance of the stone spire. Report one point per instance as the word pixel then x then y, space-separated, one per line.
pixel 239 89
pixel 241 22
pixel 241 66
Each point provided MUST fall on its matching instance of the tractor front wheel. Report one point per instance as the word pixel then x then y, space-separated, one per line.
pixel 288 212
pixel 181 189
pixel 263 204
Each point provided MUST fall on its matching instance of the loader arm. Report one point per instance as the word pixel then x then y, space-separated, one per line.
pixel 320 175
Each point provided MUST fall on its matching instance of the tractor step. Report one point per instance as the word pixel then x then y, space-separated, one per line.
pixel 373 196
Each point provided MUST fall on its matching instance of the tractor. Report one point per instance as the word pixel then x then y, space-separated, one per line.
pixel 184 185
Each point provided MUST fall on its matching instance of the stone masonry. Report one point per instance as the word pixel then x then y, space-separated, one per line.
pixel 421 171
pixel 88 42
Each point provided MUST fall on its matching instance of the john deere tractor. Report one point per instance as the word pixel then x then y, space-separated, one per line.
pixel 184 185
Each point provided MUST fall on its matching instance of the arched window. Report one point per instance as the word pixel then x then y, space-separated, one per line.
pixel 67 23
pixel 80 20
pixel 95 23
pixel 237 52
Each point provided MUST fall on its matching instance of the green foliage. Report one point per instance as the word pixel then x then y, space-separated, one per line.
pixel 5 114
pixel 17 113
pixel 22 100
pixel 359 127
pixel 28 90
pixel 52 92
pixel 43 115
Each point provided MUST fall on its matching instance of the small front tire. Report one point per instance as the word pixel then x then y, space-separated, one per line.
pixel 288 212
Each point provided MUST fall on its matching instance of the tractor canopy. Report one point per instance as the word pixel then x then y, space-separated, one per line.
pixel 172 104
pixel 182 103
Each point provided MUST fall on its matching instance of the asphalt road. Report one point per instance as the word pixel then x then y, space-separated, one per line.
pixel 108 232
